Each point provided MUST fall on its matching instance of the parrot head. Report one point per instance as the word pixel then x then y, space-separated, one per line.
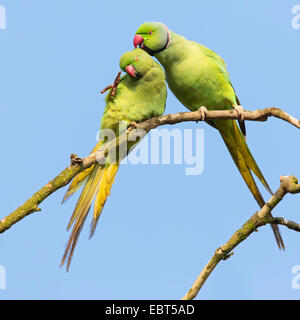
pixel 136 63
pixel 153 37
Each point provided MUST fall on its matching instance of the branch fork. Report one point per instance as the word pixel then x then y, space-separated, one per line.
pixel 288 184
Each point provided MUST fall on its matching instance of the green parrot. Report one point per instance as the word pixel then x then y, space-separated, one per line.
pixel 140 95
pixel 198 77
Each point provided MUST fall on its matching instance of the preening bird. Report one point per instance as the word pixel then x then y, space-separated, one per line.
pixel 140 95
pixel 198 77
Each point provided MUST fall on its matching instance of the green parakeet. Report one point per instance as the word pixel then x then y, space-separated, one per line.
pixel 198 77
pixel 140 95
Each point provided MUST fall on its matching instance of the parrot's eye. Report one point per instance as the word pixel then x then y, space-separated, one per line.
pixel 136 59
pixel 150 33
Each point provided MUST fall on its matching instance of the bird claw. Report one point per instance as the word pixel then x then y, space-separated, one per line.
pixel 75 159
pixel 113 86
pixel 133 124
pixel 203 112
pixel 240 112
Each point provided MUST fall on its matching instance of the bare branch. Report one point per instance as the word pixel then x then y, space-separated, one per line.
pixel 287 185
pixel 258 115
pixel 287 223
pixel 31 205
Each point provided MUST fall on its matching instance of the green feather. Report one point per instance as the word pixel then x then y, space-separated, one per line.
pixel 198 77
pixel 136 99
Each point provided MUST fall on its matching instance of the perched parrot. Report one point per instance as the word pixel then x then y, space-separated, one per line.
pixel 140 95
pixel 198 77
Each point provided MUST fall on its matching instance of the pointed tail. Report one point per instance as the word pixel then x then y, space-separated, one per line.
pixel 99 180
pixel 241 155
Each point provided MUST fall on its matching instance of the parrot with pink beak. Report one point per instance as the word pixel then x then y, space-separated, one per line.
pixel 141 94
pixel 199 79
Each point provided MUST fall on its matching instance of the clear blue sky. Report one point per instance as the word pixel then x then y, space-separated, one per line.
pixel 159 227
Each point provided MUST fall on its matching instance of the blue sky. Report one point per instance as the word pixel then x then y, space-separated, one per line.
pixel 159 227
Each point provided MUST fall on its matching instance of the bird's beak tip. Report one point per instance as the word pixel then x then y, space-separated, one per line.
pixel 138 39
pixel 131 71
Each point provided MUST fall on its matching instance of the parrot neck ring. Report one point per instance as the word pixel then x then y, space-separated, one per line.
pixel 139 41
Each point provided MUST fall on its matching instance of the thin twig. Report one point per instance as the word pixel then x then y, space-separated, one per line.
pixel 287 185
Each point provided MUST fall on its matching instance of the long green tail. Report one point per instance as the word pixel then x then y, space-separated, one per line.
pixel 241 155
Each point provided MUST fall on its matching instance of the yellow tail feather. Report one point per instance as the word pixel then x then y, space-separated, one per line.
pixel 103 193
pixel 99 182
pixel 241 155
pixel 77 182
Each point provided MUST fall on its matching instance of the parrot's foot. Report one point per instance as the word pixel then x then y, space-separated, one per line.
pixel 75 159
pixel 240 112
pixel 203 112
pixel 133 124
pixel 113 86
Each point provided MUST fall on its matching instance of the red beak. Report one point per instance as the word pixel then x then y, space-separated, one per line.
pixel 137 40
pixel 131 71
